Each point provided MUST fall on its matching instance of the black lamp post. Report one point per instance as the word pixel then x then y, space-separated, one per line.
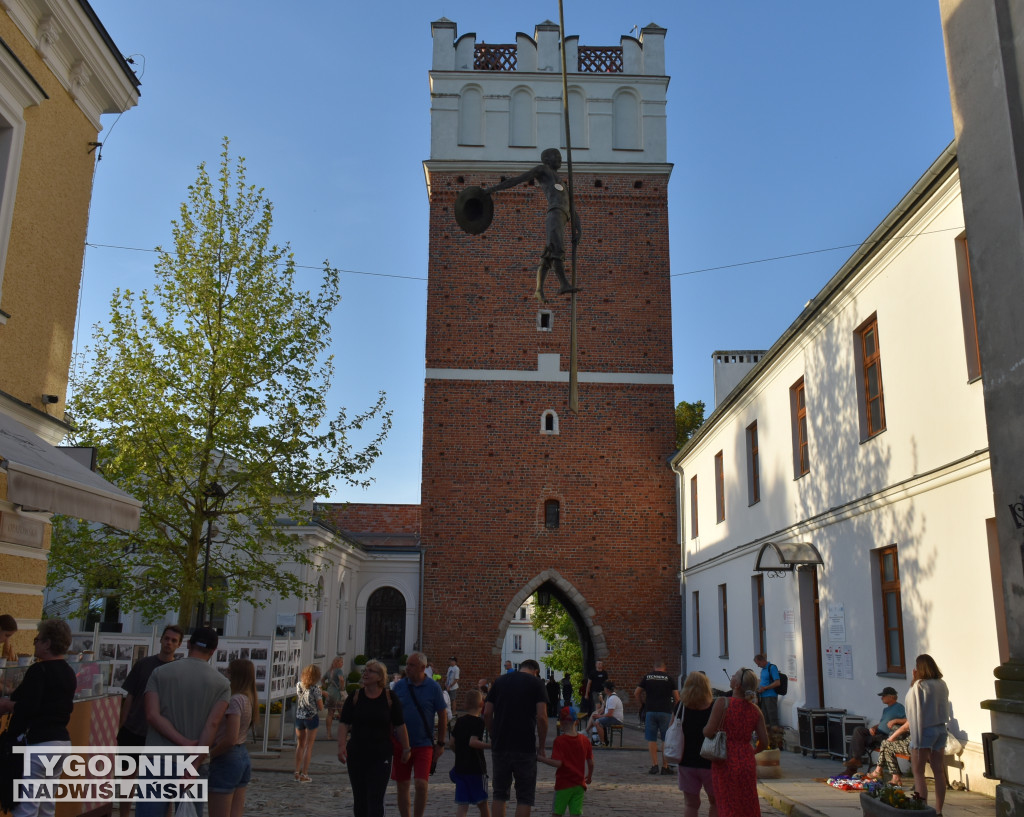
pixel 214 493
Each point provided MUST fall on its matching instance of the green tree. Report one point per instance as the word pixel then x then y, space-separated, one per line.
pixel 556 627
pixel 219 375
pixel 689 417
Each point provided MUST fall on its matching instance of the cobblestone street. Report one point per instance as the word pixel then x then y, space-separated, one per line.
pixel 621 786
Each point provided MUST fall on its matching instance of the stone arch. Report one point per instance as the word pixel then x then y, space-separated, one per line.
pixel 591 634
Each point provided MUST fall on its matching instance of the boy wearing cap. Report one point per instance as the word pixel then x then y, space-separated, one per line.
pixel 863 738
pixel 569 753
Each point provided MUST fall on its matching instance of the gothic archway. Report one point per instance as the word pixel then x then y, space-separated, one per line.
pixel 385 625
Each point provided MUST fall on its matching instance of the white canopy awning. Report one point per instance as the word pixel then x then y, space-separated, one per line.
pixel 41 478
pixel 784 556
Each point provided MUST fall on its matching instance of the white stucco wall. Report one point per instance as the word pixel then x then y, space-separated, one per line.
pixel 923 484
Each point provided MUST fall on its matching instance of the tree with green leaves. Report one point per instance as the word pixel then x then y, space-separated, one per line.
pixel 556 627
pixel 206 399
pixel 689 417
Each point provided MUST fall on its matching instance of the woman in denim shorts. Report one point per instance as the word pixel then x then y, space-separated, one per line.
pixel 927 713
pixel 230 769
pixel 309 703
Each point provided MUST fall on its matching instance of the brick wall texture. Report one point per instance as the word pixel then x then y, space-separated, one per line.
pixel 487 469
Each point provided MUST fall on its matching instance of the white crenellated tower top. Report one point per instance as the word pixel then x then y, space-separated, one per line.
pixel 503 103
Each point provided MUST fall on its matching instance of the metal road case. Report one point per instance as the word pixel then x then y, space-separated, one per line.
pixel 840 731
pixel 813 727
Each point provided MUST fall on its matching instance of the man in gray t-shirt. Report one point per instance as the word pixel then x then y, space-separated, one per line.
pixel 185 701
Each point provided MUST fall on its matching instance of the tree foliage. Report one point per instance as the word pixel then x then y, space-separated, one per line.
pixel 689 417
pixel 556 627
pixel 219 374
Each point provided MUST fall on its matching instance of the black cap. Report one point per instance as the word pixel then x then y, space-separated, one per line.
pixel 205 638
pixel 888 691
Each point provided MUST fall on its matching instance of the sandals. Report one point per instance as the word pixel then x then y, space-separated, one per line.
pixel 296 776
pixel 305 778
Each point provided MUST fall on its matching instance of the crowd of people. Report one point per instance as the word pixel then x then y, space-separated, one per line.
pixel 397 728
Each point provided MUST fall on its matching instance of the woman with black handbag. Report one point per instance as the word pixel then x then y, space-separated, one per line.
pixel 735 777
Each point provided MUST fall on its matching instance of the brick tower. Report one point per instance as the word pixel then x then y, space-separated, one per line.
pixel 520 495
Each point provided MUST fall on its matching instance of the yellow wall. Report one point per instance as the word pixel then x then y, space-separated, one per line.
pixel 41 278
pixel 44 256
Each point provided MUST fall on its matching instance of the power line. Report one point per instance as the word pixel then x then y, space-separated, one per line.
pixel 807 252
pixel 673 275
pixel 297 266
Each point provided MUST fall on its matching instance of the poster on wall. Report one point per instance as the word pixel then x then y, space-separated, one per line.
pixel 837 623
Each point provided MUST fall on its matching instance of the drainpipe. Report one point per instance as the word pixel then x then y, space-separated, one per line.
pixel 419 614
pixel 682 571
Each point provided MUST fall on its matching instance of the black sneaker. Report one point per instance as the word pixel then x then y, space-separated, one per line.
pixel 654 770
pixel 666 770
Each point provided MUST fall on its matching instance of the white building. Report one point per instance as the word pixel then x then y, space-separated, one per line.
pixel 367 598
pixel 853 458
pixel 522 641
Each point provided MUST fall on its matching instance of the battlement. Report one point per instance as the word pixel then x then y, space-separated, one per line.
pixel 645 55
pixel 502 102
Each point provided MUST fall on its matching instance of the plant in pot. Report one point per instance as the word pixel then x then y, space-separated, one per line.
pixel 889 801
pixel 360 661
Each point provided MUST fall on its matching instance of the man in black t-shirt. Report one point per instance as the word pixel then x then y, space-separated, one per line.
pixel 133 710
pixel 594 685
pixel 658 692
pixel 516 717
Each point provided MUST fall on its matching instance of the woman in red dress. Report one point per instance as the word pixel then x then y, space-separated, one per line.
pixel 735 778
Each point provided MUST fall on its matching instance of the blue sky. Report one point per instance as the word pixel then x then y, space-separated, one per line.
pixel 793 127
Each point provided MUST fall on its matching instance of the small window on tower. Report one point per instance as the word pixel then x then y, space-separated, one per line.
pixel 545 320
pixel 551 509
pixel 549 422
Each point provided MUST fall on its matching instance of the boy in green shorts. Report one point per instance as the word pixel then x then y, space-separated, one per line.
pixel 569 753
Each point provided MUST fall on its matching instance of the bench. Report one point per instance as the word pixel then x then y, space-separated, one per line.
pixel 610 732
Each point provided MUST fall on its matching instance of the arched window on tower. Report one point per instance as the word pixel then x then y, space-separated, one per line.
pixel 577 120
pixel 471 117
pixel 549 422
pixel 552 510
pixel 625 121
pixel 521 119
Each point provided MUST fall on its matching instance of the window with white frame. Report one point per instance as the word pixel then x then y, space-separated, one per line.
pixel 517 643
pixel 549 422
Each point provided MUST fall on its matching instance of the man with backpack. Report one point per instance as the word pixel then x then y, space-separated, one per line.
pixel 769 689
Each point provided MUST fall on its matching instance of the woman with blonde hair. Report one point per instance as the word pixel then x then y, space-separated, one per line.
pixel 230 767
pixel 735 778
pixel 371 718
pixel 308 705
pixel 927 713
pixel 335 691
pixel 694 772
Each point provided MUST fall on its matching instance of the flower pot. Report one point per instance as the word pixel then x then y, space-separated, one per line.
pixel 274 732
pixel 768 764
pixel 873 807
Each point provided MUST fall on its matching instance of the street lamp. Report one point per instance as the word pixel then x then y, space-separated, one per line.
pixel 215 494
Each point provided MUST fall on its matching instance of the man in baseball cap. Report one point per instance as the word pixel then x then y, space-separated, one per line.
pixel 185 700
pixel 865 739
